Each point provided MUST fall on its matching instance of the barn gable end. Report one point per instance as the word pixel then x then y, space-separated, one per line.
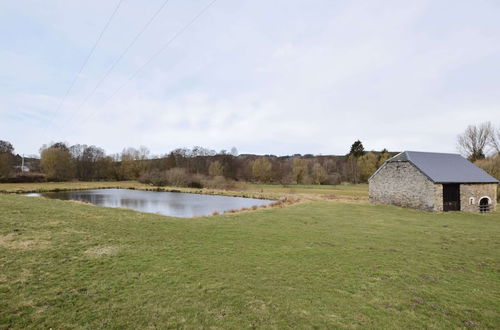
pixel 401 183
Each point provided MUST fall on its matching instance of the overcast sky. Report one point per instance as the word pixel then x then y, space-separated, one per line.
pixel 267 76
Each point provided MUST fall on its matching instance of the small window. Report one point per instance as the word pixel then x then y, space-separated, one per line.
pixel 472 201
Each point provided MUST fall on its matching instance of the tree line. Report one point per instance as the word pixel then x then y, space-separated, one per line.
pixel 196 167
pixel 202 167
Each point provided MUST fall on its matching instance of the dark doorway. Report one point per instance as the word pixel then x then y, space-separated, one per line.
pixel 484 205
pixel 451 197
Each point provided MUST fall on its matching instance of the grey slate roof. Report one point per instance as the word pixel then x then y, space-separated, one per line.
pixel 445 168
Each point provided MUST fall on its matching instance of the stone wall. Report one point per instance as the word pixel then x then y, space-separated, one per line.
pixel 477 191
pixel 438 197
pixel 402 184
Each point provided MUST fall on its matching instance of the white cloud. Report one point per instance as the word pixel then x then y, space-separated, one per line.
pixel 281 77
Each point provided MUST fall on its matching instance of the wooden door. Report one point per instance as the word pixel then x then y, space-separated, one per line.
pixel 451 197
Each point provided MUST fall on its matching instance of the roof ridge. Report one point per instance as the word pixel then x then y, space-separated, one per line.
pixel 433 152
pixel 409 158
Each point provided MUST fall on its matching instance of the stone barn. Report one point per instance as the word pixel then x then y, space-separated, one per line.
pixel 433 182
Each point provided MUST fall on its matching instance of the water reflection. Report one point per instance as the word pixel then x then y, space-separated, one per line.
pixel 167 203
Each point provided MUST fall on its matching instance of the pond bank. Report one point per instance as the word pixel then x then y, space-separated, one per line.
pixel 174 204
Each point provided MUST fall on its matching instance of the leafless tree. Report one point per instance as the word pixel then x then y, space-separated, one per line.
pixel 319 174
pixel 215 169
pixel 90 162
pixel 495 140
pixel 474 142
pixel 300 170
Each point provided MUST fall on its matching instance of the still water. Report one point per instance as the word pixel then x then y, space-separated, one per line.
pixel 167 203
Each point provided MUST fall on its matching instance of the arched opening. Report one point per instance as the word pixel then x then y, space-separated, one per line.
pixel 484 204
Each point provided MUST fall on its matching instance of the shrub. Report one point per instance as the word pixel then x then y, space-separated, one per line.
pixel 154 177
pixel 177 177
pixel 146 177
pixel 196 181
pixel 25 178
pixel 219 182
pixel 333 178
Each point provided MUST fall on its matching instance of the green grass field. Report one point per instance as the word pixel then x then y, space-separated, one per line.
pixel 360 190
pixel 316 264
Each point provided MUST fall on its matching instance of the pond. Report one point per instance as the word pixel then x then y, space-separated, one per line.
pixel 173 204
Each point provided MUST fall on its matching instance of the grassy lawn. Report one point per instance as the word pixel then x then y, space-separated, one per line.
pixel 320 263
pixel 76 185
pixel 359 190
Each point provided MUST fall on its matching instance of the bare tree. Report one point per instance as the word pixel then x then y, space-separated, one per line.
pixel 89 161
pixel 475 140
pixel 319 175
pixel 300 170
pixel 134 162
pixel 495 140
pixel 215 169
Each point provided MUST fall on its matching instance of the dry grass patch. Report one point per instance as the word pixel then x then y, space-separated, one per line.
pixel 12 241
pixel 101 251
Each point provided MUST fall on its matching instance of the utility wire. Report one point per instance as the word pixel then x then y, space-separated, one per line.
pixel 122 55
pixel 92 50
pixel 155 55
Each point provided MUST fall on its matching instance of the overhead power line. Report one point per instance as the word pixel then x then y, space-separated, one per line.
pixel 122 55
pixel 75 79
pixel 163 48
pixel 155 55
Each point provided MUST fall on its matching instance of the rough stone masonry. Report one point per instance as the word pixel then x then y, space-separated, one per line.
pixel 400 182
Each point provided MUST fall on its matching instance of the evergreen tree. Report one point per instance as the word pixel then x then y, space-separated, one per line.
pixel 357 149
